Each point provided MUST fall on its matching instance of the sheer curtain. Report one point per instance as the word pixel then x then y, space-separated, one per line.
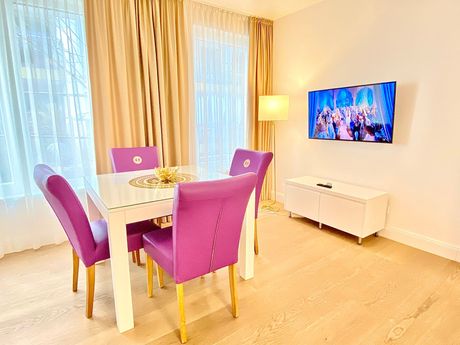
pixel 220 45
pixel 45 114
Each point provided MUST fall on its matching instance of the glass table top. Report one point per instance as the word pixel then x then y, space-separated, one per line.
pixel 133 188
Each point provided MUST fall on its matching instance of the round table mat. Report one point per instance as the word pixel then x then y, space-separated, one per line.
pixel 151 181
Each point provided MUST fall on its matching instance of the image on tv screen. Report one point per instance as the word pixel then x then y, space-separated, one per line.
pixel 356 113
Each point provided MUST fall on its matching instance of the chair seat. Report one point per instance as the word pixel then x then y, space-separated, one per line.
pixel 134 234
pixel 159 246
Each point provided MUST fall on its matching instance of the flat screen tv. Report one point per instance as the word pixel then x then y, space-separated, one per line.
pixel 353 113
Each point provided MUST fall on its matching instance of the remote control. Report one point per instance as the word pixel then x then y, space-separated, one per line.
pixel 329 185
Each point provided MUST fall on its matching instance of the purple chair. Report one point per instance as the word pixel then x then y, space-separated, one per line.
pixel 134 158
pixel 245 161
pixel 131 159
pixel 204 237
pixel 89 240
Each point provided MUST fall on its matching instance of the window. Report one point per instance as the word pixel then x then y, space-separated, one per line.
pixel 220 61
pixel 45 113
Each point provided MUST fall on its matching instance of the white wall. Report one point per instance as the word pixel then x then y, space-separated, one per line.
pixel 415 42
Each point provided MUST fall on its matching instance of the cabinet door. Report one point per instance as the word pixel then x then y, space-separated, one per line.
pixel 302 201
pixel 342 214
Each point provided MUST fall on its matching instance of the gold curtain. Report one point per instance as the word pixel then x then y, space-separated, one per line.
pixel 138 60
pixel 261 83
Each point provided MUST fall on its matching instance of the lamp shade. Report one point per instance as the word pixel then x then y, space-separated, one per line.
pixel 273 108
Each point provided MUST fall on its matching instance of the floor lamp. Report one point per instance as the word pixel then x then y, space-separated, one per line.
pixel 271 109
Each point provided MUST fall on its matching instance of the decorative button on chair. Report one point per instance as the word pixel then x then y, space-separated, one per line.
pixel 132 159
pixel 89 240
pixel 204 237
pixel 245 161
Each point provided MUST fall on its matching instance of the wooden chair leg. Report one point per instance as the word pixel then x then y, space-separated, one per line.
pixel 90 278
pixel 256 240
pixel 160 276
pixel 133 256
pixel 138 257
pixel 233 292
pixel 149 276
pixel 180 303
pixel 76 264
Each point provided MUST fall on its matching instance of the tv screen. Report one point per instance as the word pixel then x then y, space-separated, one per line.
pixel 354 113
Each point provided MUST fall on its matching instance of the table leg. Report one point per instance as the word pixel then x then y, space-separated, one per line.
pixel 119 260
pixel 246 250
pixel 93 212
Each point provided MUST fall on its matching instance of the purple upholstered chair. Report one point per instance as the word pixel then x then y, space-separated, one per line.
pixel 131 159
pixel 134 158
pixel 257 162
pixel 89 240
pixel 204 237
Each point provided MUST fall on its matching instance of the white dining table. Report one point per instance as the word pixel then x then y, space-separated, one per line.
pixel 113 198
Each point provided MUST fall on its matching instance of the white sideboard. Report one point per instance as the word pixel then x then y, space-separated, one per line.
pixel 356 210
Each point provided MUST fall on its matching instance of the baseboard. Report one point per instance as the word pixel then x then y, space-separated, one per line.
pixel 422 242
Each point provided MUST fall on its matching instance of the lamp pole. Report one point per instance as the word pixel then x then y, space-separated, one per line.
pixel 273 206
pixel 273 108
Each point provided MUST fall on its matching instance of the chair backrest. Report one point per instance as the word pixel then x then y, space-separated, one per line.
pixel 68 210
pixel 208 217
pixel 245 161
pixel 134 158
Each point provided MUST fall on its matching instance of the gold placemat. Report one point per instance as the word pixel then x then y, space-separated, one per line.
pixel 151 181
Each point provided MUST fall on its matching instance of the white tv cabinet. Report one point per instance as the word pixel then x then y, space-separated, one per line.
pixel 356 210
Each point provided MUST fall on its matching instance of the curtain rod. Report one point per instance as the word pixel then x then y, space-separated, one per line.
pixel 225 9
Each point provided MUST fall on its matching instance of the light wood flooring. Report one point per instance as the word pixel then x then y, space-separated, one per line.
pixel 311 287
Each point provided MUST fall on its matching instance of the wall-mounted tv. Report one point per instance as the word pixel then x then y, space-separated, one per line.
pixel 353 113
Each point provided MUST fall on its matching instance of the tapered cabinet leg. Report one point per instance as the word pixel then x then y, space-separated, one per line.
pixel 233 290
pixel 76 265
pixel 256 239
pixel 360 240
pixel 133 254
pixel 180 303
pixel 149 276
pixel 90 279
pixel 160 276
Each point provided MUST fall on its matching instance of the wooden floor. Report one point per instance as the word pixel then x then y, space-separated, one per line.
pixel 311 287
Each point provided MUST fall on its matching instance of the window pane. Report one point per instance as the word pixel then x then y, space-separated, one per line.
pixel 220 75
pixel 50 88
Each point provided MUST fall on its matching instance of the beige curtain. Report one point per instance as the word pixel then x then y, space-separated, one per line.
pixel 261 83
pixel 138 58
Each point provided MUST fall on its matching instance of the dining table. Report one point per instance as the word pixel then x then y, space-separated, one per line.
pixel 128 197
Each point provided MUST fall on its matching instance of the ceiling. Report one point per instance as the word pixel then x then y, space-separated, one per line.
pixel 270 9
